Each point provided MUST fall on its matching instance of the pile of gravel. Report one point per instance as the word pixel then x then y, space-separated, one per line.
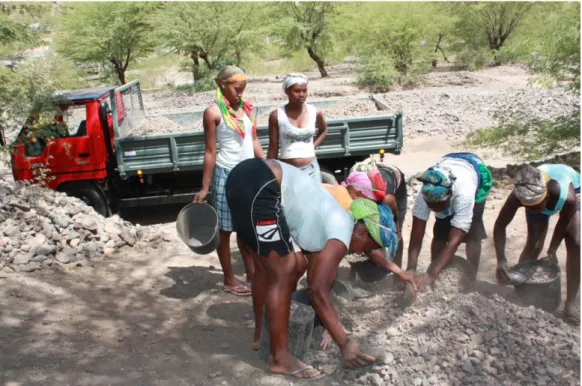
pixel 39 227
pixel 456 339
pixel 463 110
pixel 160 125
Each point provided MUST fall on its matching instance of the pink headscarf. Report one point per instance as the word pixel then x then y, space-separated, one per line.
pixel 360 182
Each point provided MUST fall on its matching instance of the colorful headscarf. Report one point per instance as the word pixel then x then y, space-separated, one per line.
pixel 437 184
pixel 531 185
pixel 294 78
pixel 370 184
pixel 364 166
pixel 234 74
pixel 379 221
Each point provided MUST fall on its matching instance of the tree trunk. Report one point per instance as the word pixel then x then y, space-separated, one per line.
pixel 238 57
pixel 195 66
pixel 204 56
pixel 439 48
pixel 318 60
pixel 119 70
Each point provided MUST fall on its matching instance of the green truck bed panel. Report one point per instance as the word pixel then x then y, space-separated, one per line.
pixel 184 151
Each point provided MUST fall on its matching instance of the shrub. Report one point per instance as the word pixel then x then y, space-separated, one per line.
pixel 377 73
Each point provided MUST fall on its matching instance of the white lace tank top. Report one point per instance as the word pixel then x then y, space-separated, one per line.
pixel 296 142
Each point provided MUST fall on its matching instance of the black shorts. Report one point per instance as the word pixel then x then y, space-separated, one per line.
pixel 442 226
pixel 254 197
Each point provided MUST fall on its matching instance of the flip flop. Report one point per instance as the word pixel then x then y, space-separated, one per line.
pixel 233 291
pixel 293 374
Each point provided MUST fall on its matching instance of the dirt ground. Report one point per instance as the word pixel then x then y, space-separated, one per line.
pixel 159 317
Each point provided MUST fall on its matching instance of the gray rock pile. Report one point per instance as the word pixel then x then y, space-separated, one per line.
pixel 159 125
pixel 459 339
pixel 39 227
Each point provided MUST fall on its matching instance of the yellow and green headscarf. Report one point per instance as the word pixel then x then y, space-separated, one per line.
pixel 231 73
pixel 379 221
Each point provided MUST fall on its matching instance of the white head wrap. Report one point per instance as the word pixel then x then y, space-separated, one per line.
pixel 294 78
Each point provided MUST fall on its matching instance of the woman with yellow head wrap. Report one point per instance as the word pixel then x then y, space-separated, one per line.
pixel 230 124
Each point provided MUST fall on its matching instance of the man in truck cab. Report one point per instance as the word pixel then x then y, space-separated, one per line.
pixel 267 199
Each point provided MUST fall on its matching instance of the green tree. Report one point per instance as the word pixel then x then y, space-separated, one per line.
pixel 209 32
pixel 113 33
pixel 488 24
pixel 553 55
pixel 306 26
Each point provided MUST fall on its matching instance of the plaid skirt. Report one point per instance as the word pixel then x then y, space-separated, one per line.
pixel 219 203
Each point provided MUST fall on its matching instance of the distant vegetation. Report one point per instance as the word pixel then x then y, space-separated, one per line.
pixel 391 43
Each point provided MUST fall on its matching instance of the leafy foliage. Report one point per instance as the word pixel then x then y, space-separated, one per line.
pixel 377 73
pixel 113 33
pixel 306 25
pixel 209 32
pixel 554 56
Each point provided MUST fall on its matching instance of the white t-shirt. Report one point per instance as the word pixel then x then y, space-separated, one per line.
pixel 463 201
pixel 232 148
pixel 312 214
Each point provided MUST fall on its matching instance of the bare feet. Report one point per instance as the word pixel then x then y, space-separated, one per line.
pixel 293 367
pixel 256 344
pixel 571 315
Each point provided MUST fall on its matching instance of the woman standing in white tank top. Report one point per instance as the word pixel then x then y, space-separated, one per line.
pixel 297 129
pixel 230 123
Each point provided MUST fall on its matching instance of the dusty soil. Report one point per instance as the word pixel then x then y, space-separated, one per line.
pixel 159 317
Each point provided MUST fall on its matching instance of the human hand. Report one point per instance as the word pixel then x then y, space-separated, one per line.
pixel 502 273
pixel 409 277
pixel 327 340
pixel 425 281
pixel 200 196
pixel 353 357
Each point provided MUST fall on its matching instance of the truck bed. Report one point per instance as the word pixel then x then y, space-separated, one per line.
pixel 173 152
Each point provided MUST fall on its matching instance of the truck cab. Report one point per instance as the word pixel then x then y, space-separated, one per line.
pixel 72 153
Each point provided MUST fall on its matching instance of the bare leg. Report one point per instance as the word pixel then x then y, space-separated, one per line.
pixel 536 235
pixel 399 253
pixel 281 273
pixel 258 289
pixel 573 270
pixel 247 256
pixel 223 251
pixel 474 253
pixel 301 264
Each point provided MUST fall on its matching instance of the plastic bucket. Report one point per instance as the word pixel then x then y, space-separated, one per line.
pixel 197 226
pixel 546 295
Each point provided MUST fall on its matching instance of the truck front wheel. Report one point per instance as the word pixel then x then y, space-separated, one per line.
pixel 90 196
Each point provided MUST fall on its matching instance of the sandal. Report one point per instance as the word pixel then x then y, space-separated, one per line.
pixel 234 289
pixel 294 374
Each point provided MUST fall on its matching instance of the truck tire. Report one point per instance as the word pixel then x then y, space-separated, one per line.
pixel 90 195
pixel 328 178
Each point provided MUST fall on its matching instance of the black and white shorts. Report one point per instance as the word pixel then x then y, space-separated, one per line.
pixel 254 197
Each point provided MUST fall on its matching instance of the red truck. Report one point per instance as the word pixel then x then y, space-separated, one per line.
pixel 96 160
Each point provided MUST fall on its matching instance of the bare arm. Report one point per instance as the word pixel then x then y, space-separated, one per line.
pixel 377 257
pixel 390 200
pixel 321 126
pixel 320 276
pixel 273 152
pixel 210 119
pixel 258 149
pixel 505 216
pixel 415 244
pixel 456 236
pixel 566 214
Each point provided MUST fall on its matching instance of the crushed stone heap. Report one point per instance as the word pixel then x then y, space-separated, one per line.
pixel 457 339
pixel 40 226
